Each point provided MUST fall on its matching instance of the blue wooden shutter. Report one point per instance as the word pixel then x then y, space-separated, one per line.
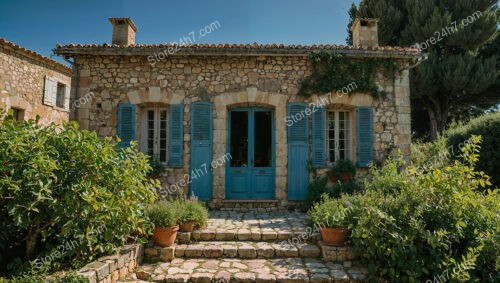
pixel 319 137
pixel 201 150
pixel 126 124
pixel 364 133
pixel 298 151
pixel 175 150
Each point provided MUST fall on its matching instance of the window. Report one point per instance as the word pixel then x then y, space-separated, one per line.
pixel 61 89
pixel 339 138
pixel 56 94
pixel 154 133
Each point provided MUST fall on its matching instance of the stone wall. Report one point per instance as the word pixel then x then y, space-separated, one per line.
pixel 228 82
pixel 22 79
pixel 109 269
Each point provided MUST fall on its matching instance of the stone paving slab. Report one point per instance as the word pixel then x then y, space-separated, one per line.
pixel 249 270
pixel 253 226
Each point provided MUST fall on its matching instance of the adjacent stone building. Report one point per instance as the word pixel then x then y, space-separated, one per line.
pixel 226 119
pixel 32 85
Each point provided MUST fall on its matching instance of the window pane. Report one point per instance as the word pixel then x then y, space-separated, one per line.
pixel 163 155
pixel 60 95
pixel 239 139
pixel 163 115
pixel 263 139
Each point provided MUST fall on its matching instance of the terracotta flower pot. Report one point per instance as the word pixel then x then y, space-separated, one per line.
pixel 165 236
pixel 187 227
pixel 344 177
pixel 334 236
pixel 333 178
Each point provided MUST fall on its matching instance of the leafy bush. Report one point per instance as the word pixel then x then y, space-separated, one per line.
pixel 70 277
pixel 193 210
pixel 157 167
pixel 487 126
pixel 318 187
pixel 343 166
pixel 315 190
pixel 350 187
pixel 415 225
pixel 163 214
pixel 434 152
pixel 68 194
pixel 331 212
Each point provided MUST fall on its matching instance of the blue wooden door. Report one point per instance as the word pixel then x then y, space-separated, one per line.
pixel 251 170
pixel 201 150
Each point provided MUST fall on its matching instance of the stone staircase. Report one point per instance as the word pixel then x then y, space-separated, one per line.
pixel 250 246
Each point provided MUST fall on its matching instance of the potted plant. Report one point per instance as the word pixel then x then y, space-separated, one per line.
pixel 157 167
pixel 192 213
pixel 343 171
pixel 332 216
pixel 164 216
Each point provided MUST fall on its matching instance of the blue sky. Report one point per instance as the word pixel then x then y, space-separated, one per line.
pixel 40 25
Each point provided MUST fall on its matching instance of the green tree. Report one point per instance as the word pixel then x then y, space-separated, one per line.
pixel 456 77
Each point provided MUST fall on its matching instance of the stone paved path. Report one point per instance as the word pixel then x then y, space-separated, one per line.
pixel 253 270
pixel 246 247
pixel 252 226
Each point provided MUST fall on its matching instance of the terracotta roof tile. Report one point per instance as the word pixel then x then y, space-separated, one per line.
pixel 63 49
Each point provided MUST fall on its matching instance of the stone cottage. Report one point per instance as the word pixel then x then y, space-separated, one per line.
pixel 226 120
pixel 33 85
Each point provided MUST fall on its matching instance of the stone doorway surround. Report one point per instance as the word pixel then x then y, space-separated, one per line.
pixel 251 97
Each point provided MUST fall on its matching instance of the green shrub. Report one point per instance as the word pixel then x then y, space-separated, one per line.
pixel 487 126
pixel 163 214
pixel 318 187
pixel 193 210
pixel 69 277
pixel 68 194
pixel 437 153
pixel 315 190
pixel 157 167
pixel 416 225
pixel 343 166
pixel 331 212
pixel 350 187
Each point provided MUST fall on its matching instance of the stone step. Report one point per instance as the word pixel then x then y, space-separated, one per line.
pixel 249 270
pixel 302 234
pixel 241 250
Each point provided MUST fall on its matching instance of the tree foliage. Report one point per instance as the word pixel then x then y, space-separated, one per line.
pixel 68 194
pixel 456 76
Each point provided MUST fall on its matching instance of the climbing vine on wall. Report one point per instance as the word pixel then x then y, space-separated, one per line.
pixel 332 72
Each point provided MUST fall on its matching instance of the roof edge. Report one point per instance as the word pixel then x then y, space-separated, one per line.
pixel 35 56
pixel 232 50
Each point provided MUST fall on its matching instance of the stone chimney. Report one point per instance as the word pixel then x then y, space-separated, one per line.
pixel 364 33
pixel 124 31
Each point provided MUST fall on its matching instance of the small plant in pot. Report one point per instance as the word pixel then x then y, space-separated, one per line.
pixel 164 216
pixel 343 171
pixel 332 216
pixel 192 213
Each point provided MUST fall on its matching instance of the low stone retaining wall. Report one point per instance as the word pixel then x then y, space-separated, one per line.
pixel 156 253
pixel 109 269
pixel 331 253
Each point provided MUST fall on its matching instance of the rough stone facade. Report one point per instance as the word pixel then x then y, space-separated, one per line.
pixel 227 82
pixel 231 76
pixel 22 79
